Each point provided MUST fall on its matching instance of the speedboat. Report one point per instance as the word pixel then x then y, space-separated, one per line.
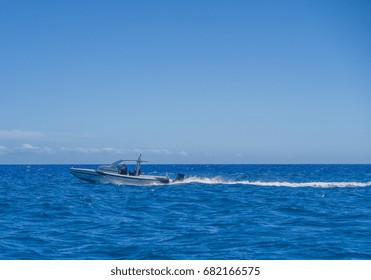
pixel 112 174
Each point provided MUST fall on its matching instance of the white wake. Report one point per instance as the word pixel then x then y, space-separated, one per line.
pixel 219 180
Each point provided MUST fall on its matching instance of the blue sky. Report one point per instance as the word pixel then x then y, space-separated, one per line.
pixel 185 81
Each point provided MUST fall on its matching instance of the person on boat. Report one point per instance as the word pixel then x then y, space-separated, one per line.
pixel 123 170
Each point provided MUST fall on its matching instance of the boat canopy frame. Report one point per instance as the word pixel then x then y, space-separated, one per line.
pixel 114 165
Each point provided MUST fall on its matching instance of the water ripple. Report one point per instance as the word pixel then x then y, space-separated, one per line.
pixel 219 212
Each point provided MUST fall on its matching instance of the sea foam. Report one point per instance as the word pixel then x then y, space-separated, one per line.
pixel 219 180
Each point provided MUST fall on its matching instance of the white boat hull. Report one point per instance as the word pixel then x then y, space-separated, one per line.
pixel 98 176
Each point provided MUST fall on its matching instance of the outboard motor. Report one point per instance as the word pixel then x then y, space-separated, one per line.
pixel 179 177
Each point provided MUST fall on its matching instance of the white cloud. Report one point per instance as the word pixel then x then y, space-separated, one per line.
pixel 150 151
pixel 183 153
pixel 27 147
pixel 3 149
pixel 48 150
pixel 78 150
pixel 111 150
pixel 31 148
pixel 158 151
pixel 92 150
pixel 20 134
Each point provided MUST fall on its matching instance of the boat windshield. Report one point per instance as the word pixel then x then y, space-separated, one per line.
pixel 108 168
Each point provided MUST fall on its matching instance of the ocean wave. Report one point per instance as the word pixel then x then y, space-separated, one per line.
pixel 219 180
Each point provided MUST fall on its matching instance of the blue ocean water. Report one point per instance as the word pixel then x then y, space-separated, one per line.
pixel 219 212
